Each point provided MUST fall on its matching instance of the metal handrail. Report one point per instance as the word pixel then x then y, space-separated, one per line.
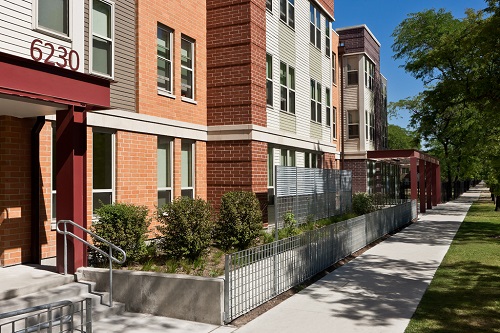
pixel 49 324
pixel 108 255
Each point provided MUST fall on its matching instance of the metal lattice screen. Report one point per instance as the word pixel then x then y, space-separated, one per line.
pixel 312 194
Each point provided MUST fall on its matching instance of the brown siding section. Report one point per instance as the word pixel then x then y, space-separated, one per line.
pixel 236 62
pixel 123 92
pixel 123 89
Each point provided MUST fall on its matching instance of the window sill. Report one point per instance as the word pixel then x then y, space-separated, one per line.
pixel 288 113
pixel 287 25
pixel 314 45
pixel 315 122
pixel 189 100
pixel 53 34
pixel 165 93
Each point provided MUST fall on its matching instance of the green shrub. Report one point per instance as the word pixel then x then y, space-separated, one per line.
pixel 186 226
pixel 124 225
pixel 290 229
pixel 362 203
pixel 240 220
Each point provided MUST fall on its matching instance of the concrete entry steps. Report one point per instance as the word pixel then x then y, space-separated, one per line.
pixel 25 286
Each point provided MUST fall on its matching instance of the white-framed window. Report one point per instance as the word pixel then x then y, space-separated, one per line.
pixel 372 126
pixel 103 168
pixel 327 37
pixel 270 175
pixel 353 124
pixel 287 82
pixel 369 74
pixel 315 101
pixel 53 191
pixel 312 160
pixel 287 157
pixel 287 12
pixel 187 67
pixel 53 17
pixel 334 122
pixel 187 168
pixel 165 170
pixel 269 5
pixel 102 37
pixel 315 26
pixel 352 71
pixel 269 79
pixel 164 46
pixel 328 107
pixel 334 68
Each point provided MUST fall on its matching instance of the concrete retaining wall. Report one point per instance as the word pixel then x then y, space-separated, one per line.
pixel 171 295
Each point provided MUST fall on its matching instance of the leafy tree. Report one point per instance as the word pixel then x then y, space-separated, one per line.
pixel 400 138
pixel 458 60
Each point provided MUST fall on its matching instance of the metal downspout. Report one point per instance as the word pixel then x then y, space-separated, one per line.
pixel 35 190
pixel 341 51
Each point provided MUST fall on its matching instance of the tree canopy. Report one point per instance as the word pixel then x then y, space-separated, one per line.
pixel 401 138
pixel 458 61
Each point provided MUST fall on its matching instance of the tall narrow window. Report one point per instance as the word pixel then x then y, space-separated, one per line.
pixel 102 169
pixel 327 37
pixel 369 74
pixel 164 55
pixel 287 12
pixel 102 37
pixel 53 15
pixel 287 83
pixel 269 5
pixel 315 26
pixel 187 67
pixel 315 101
pixel 352 71
pixel 187 169
pixel 372 126
pixel 269 79
pixel 312 160
pixel 334 122
pixel 270 175
pixel 164 160
pixel 353 124
pixel 287 157
pixel 334 68
pixel 328 107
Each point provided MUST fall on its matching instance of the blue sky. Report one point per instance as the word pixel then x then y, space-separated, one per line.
pixel 382 17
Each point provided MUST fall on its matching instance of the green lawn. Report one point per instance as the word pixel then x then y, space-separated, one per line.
pixel 464 295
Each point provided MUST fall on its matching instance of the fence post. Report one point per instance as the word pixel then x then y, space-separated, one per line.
pixel 88 315
pixel 226 288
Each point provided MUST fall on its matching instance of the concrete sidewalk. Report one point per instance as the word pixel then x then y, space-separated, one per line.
pixel 380 290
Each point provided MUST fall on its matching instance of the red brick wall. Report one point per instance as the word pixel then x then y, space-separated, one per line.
pixel 358 168
pixel 47 236
pixel 186 17
pixel 15 190
pixel 329 161
pixel 236 166
pixel 236 62
pixel 328 5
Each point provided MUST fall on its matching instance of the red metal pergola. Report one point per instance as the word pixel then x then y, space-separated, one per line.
pixel 425 173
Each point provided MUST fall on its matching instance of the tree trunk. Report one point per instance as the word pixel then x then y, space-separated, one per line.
pixel 497 204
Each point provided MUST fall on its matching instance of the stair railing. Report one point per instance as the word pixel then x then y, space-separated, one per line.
pixel 51 317
pixel 109 255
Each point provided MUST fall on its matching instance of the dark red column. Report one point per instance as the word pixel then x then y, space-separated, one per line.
pixel 437 173
pixel 421 172
pixel 413 178
pixel 428 184
pixel 71 165
pixel 433 184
